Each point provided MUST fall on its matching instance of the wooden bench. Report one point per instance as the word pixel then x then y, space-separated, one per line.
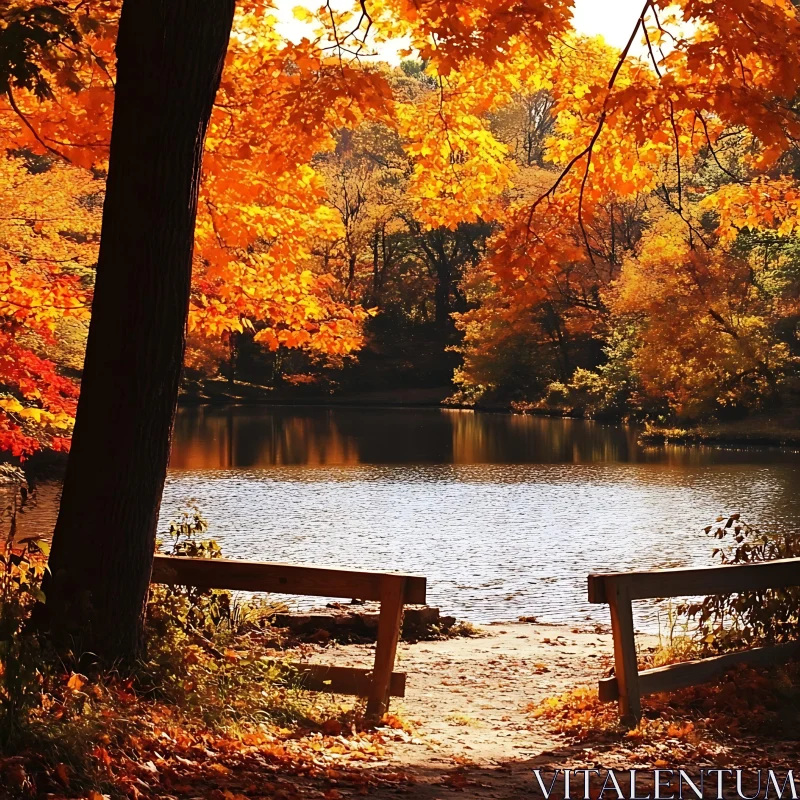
pixel 392 589
pixel 618 589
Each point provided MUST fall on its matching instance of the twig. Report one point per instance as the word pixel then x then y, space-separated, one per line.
pixel 16 109
pixel 587 151
pixel 713 152
pixel 201 640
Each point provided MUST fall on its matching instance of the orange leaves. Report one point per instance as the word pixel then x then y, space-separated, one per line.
pixel 270 232
pixel 712 95
pixel 682 726
pixel 46 244
pixel 460 169
pixel 293 309
pixel 739 62
pixel 75 123
pixel 761 205
pixel 705 325
pixel 452 32
pixel 262 210
pixel 76 682
pixel 719 67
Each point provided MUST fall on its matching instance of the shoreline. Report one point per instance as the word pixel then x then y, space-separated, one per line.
pixel 761 431
pixel 779 431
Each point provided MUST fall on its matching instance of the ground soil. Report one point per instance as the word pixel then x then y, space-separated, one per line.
pixel 466 699
pixel 469 703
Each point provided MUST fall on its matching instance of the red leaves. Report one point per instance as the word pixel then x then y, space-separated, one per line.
pixel 48 400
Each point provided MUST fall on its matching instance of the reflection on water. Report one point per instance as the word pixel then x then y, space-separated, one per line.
pixel 505 515
pixel 240 437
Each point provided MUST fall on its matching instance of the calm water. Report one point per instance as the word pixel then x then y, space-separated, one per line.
pixel 505 515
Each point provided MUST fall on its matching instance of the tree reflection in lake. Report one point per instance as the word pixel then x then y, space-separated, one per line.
pixel 209 437
pixel 505 515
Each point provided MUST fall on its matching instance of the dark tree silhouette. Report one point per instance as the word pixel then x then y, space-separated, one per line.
pixel 170 57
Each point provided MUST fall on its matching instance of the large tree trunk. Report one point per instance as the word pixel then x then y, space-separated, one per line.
pixel 170 57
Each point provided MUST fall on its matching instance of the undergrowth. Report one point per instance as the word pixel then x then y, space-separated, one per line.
pixel 762 702
pixel 747 701
pixel 207 691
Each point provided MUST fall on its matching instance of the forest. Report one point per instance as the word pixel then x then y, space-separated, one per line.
pixel 372 233
pixel 509 215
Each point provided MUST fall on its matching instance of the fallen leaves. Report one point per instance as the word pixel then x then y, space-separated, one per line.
pixel 690 725
pixel 76 682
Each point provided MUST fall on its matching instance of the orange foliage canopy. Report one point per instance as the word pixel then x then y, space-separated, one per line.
pixel 633 132
pixel 262 206
pixel 622 125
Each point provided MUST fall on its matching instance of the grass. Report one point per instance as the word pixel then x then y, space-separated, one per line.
pixel 778 429
pixel 676 642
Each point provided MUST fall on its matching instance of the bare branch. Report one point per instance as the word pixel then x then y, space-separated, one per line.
pixel 26 121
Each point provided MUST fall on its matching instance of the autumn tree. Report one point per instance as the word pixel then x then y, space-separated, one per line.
pixel 564 198
pixel 48 232
pixel 698 129
pixel 525 124
pixel 385 258
pixel 170 58
pixel 168 69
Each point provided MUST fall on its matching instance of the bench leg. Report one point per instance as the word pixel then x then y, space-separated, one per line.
pixel 392 598
pixel 625 667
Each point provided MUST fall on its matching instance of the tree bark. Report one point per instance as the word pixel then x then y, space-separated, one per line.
pixel 444 281
pixel 170 56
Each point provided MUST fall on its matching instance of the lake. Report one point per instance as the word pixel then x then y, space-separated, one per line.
pixel 505 514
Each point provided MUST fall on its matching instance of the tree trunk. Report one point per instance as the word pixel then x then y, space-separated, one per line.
pixel 443 289
pixel 376 273
pixel 170 58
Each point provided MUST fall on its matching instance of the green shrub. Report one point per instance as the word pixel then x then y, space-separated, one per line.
pixel 22 565
pixel 209 612
pixel 747 619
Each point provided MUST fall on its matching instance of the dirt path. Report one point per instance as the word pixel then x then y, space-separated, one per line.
pixel 466 699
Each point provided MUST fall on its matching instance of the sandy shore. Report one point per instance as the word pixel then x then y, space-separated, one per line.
pixel 466 699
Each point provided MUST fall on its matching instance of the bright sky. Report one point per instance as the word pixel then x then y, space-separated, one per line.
pixel 612 19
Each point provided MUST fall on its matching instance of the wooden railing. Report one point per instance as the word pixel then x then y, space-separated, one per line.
pixel 618 589
pixel 392 589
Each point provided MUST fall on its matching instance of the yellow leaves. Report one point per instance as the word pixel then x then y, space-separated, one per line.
pixel 460 169
pixel 281 306
pixel 303 14
pixel 11 405
pixel 762 204
pixel 264 216
pixel 680 731
pixel 38 416
pixel 706 336
pixel 76 682
pixel 580 90
pixel 451 33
